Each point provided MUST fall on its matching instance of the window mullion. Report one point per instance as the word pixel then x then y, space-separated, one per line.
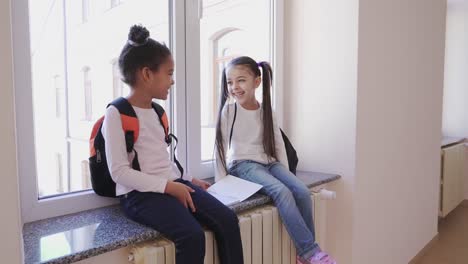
pixel 192 59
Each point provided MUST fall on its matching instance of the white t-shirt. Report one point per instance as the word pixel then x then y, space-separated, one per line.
pixel 247 138
pixel 153 156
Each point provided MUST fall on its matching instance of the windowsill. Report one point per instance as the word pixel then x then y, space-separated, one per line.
pixel 101 230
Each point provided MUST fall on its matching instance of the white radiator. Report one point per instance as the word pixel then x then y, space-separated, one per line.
pixel 264 239
pixel 452 178
pixel 161 251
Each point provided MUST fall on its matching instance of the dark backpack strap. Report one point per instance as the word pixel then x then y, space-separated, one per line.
pixel 291 153
pixel 125 108
pixel 163 119
pixel 232 126
pixel 179 166
pixel 168 136
pixel 135 163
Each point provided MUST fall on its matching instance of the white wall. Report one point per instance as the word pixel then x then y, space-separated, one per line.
pixel 320 101
pixel 387 150
pixel 455 113
pixel 399 111
pixel 11 238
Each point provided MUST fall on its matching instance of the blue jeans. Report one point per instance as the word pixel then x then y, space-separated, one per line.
pixel 291 197
pixel 167 215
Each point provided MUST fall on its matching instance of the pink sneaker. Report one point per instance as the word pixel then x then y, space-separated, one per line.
pixel 318 258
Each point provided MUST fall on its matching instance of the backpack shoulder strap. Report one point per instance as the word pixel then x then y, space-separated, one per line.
pixel 129 119
pixel 124 106
pixel 232 126
pixel 163 119
pixel 168 136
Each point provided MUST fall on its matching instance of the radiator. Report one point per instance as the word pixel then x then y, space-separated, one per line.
pixel 452 178
pixel 264 239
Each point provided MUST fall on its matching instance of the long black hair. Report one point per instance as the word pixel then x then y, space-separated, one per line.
pixel 267 117
pixel 140 51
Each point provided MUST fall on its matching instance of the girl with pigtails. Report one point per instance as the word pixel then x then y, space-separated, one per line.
pixel 249 145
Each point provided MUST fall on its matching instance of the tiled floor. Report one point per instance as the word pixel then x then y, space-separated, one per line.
pixel 452 246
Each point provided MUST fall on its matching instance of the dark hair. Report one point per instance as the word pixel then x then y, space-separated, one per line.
pixel 267 77
pixel 140 51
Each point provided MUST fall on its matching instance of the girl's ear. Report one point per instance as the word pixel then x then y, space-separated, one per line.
pixel 145 74
pixel 258 80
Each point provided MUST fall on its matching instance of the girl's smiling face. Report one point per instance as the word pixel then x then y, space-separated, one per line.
pixel 242 84
pixel 161 81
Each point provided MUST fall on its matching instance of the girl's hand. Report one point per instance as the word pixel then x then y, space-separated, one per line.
pixel 200 183
pixel 181 192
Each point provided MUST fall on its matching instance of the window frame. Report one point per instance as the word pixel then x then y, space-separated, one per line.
pixel 58 96
pixel 33 208
pixel 85 11
pixel 198 167
pixel 183 23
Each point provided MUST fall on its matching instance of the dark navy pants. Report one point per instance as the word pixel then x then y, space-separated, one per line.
pixel 168 216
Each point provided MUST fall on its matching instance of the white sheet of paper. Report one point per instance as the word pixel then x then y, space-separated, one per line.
pixel 232 189
pixel 226 200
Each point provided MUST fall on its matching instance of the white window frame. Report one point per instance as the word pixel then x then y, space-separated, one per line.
pixel 197 167
pixel 32 208
pixel 85 10
pixel 58 96
pixel 59 174
pixel 178 101
pixel 184 104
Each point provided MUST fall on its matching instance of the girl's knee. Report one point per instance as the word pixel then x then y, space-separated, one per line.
pixel 302 193
pixel 282 193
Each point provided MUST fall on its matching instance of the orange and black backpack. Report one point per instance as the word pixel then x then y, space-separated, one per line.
pixel 101 179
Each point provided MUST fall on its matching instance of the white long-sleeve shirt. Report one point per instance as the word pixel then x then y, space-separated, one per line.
pixel 247 138
pixel 153 156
